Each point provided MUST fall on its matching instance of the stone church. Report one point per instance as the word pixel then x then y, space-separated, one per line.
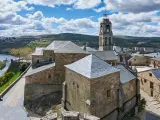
pixel 89 81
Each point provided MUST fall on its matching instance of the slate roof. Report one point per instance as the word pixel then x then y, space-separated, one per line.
pixel 157 59
pixel 92 67
pixel 38 51
pixel 88 49
pixel 156 72
pixel 39 69
pixel 106 55
pixel 64 47
pixel 125 75
pixel 143 68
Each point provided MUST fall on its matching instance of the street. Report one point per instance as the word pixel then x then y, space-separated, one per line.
pixel 11 108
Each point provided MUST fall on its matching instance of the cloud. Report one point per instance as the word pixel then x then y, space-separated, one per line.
pixel 82 25
pixel 36 15
pixel 134 6
pixel 51 3
pixel 68 9
pixel 86 4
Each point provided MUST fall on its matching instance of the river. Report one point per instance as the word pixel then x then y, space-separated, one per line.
pixel 4 57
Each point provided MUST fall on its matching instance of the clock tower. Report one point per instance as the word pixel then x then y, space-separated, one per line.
pixel 105 35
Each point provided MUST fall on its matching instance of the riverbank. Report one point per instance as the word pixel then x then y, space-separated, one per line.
pixel 14 71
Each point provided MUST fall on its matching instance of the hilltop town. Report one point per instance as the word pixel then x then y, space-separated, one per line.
pixel 85 81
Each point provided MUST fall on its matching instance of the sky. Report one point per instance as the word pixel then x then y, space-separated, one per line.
pixel 37 17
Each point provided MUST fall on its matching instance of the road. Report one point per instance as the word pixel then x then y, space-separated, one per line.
pixel 11 108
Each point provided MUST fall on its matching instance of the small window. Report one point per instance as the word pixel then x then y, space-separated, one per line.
pixel 37 61
pixel 108 93
pixel 73 83
pixel 150 74
pixel 49 76
pixel 145 81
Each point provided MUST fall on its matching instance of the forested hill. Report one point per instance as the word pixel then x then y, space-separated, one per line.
pixel 126 41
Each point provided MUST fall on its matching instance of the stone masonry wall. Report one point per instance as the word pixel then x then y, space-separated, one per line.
pixel 77 92
pixel 129 89
pixel 34 90
pixel 49 55
pixel 62 59
pixel 145 81
pixel 154 63
pixel 103 103
pixel 36 58
pixel 139 60
pixel 42 77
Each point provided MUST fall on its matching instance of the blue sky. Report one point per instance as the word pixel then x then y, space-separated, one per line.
pixel 36 17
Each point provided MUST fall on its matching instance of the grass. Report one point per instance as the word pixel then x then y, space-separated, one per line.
pixel 16 75
pixel 2 65
pixel 35 44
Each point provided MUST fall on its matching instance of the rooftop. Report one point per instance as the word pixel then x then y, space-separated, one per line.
pixel 38 51
pixel 88 49
pixel 156 72
pixel 125 75
pixel 64 47
pixel 106 55
pixel 39 69
pixel 143 68
pixel 92 67
pixel 157 59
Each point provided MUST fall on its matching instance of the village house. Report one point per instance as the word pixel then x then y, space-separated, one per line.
pixel 149 79
pixel 155 62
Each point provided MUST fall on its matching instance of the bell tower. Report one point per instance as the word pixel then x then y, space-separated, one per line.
pixel 105 34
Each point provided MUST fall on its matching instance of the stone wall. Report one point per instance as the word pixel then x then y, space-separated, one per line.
pixel 139 61
pixel 77 92
pixel 154 63
pixel 100 88
pixel 49 55
pixel 42 77
pixel 33 91
pixel 129 89
pixel 145 83
pixel 37 59
pixel 62 59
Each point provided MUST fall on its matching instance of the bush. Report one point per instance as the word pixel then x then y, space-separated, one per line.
pixel 23 67
pixel 6 77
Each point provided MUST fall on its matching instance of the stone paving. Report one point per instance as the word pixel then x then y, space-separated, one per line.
pixel 11 108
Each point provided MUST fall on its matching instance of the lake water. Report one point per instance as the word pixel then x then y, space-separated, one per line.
pixel 4 57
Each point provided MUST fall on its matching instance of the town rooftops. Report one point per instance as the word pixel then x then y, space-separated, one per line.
pixel 125 75
pixel 156 72
pixel 39 69
pixel 92 67
pixel 64 47
pixel 38 51
pixel 106 55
